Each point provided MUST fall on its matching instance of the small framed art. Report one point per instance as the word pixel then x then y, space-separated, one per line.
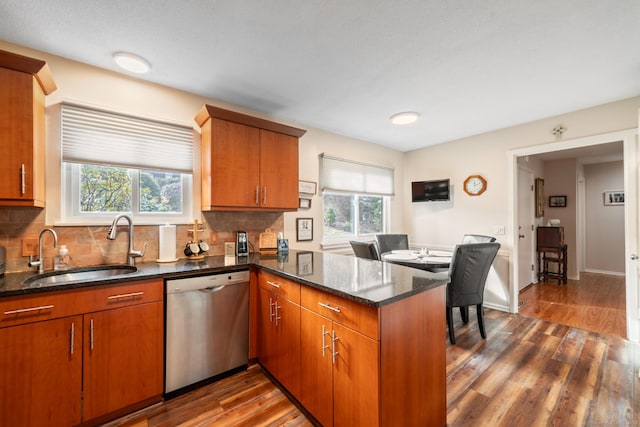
pixel 304 203
pixel 307 187
pixel 613 198
pixel 557 201
pixel 304 229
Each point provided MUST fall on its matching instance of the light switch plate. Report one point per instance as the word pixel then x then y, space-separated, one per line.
pixel 498 229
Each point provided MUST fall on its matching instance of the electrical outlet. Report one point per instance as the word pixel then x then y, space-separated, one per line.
pixel 498 229
pixel 29 246
pixel 213 237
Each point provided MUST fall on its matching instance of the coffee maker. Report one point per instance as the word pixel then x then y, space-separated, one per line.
pixel 242 244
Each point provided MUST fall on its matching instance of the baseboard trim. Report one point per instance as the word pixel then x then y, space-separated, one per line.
pixel 610 273
pixel 499 307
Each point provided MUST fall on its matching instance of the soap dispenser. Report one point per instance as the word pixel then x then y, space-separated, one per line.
pixel 63 260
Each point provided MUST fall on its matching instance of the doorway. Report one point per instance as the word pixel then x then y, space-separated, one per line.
pixel 630 147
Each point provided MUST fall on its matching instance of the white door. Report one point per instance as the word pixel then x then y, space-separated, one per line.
pixel 632 235
pixel 526 236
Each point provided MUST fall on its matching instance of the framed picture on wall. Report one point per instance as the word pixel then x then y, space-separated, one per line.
pixel 613 198
pixel 557 201
pixel 304 229
pixel 539 197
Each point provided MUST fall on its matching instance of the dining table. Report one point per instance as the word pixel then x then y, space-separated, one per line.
pixel 429 260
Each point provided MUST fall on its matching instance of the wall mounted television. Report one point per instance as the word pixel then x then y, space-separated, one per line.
pixel 430 191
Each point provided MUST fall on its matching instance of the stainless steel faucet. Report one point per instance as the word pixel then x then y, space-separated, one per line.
pixel 132 254
pixel 40 261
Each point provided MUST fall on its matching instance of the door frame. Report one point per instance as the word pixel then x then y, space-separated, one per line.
pixel 629 139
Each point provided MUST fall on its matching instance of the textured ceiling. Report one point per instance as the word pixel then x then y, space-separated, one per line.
pixel 345 66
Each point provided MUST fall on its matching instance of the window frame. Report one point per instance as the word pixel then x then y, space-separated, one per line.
pixel 344 240
pixel 70 201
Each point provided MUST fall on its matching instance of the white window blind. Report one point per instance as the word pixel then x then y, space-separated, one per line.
pixel 342 175
pixel 98 137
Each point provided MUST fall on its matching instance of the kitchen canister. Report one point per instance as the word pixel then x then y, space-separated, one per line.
pixel 167 243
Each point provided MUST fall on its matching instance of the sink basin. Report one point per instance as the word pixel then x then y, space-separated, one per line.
pixel 79 274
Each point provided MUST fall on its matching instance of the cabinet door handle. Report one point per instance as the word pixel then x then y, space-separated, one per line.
pixel 278 307
pixel 132 294
pixel 26 310
pixel 270 310
pixel 324 347
pixel 334 353
pixel 264 196
pixel 91 334
pixel 274 284
pixel 73 335
pixel 336 309
pixel 257 195
pixel 23 183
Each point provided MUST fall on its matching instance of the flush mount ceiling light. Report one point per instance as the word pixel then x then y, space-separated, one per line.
pixel 404 118
pixel 132 63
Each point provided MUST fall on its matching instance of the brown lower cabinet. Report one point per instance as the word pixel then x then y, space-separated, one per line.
pixel 80 357
pixel 279 332
pixel 363 365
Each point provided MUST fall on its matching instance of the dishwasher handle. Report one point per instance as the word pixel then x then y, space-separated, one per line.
pixel 213 288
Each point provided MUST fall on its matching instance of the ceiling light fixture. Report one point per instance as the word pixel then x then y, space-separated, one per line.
pixel 132 63
pixel 404 118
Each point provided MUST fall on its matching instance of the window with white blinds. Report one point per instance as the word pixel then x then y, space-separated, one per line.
pixel 91 136
pixel 340 175
pixel 114 163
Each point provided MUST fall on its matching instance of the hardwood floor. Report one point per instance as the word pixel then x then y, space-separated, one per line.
pixel 595 303
pixel 527 372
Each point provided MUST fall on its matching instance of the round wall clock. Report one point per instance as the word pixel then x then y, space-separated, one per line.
pixel 475 185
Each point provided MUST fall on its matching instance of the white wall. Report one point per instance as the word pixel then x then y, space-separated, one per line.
pixel 560 179
pixel 486 155
pixel 604 224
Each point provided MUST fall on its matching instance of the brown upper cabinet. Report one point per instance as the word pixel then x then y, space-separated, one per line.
pixel 248 163
pixel 24 83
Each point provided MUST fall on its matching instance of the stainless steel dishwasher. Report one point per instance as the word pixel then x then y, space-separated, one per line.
pixel 207 328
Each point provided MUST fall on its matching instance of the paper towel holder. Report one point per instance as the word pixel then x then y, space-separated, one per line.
pixel 172 241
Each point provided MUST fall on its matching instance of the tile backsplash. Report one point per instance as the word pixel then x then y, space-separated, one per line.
pixel 88 245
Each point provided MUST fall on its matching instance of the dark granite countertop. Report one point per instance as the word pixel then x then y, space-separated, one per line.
pixel 372 283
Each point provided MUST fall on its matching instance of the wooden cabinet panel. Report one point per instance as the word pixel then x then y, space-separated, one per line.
pixel 267 339
pixel 280 286
pixel 279 330
pixel 19 310
pixel 234 164
pixel 247 163
pixel 123 351
pixel 355 379
pixel 23 84
pixel 41 366
pixel 288 330
pixel 316 388
pixel 51 305
pixel 278 170
pixel 349 313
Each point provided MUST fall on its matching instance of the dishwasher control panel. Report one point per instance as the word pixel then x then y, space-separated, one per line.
pixel 209 281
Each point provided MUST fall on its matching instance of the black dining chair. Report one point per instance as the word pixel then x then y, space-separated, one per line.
pixel 366 250
pixel 470 266
pixel 390 242
pixel 477 238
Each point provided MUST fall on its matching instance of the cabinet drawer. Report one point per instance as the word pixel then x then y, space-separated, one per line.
pixel 280 286
pixel 34 308
pixel 122 295
pixel 51 305
pixel 348 313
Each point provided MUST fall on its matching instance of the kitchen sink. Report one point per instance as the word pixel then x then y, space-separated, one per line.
pixel 79 274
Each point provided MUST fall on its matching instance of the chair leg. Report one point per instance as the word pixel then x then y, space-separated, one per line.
pixel 464 313
pixel 483 333
pixel 452 337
